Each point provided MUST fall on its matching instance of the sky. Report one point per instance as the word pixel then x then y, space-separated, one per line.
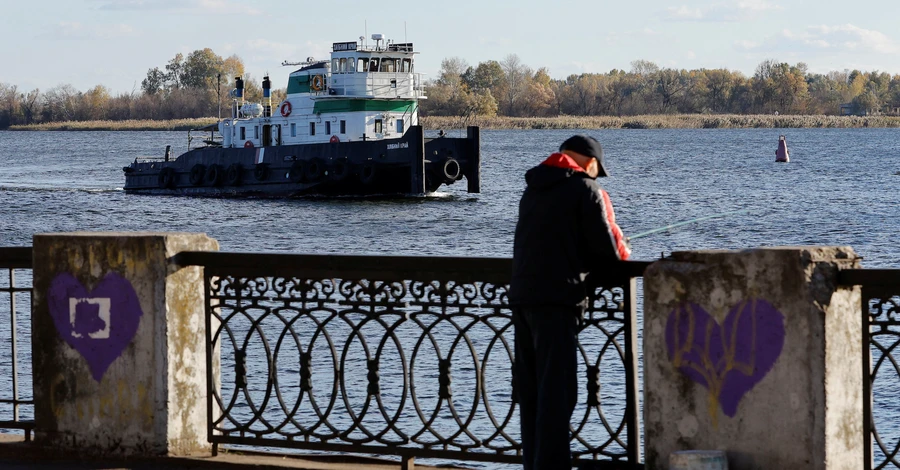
pixel 86 43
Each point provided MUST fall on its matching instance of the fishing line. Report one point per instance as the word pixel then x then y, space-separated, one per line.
pixel 686 222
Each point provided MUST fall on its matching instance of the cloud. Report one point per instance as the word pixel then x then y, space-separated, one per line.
pixel 206 7
pixel 730 11
pixel 613 38
pixel 835 39
pixel 67 31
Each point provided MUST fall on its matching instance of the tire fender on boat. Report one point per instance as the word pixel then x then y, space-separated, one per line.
pixel 198 172
pixel 213 175
pixel 286 108
pixel 451 169
pixel 248 145
pixel 167 178
pixel 261 172
pixel 233 174
pixel 315 169
pixel 297 172
pixel 340 169
pixel 334 139
pixel 368 172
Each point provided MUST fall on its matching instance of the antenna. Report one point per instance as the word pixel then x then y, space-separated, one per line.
pixel 366 30
pixel 404 33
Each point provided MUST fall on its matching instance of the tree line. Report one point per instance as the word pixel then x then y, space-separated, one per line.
pixel 511 88
pixel 193 86
pixel 186 87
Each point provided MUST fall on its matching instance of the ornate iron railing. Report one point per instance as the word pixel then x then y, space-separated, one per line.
pixel 881 340
pixel 15 298
pixel 407 356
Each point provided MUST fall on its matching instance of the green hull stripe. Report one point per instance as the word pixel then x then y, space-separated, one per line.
pixel 343 106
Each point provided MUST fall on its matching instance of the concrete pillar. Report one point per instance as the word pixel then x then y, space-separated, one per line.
pixel 756 353
pixel 118 343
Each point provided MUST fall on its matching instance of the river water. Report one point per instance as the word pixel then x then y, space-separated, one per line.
pixel 841 188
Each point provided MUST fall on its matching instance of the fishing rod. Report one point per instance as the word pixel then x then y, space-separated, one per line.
pixel 686 222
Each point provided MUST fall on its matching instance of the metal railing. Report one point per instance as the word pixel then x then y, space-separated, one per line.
pixel 15 292
pixel 881 340
pixel 407 356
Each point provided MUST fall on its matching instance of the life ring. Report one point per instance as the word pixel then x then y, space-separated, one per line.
pixel 317 83
pixel 198 171
pixel 166 178
pixel 233 174
pixel 286 108
pixel 261 172
pixel 315 169
pixel 334 139
pixel 367 173
pixel 213 175
pixel 248 145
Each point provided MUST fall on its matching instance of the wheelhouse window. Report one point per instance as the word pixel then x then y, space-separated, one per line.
pixel 400 126
pixel 312 128
pixel 351 65
pixel 255 132
pixel 243 133
pixel 293 129
pixel 362 65
pixel 378 126
pixel 343 127
pixel 343 64
pixel 328 127
pixel 373 65
pixel 334 66
pixel 388 65
pixel 406 66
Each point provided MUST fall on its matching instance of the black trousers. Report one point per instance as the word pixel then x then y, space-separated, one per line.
pixel 546 382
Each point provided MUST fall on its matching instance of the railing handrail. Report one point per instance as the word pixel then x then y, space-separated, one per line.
pixel 18 257
pixel 385 267
pixel 869 277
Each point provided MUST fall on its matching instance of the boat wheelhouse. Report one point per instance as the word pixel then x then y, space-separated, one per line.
pixel 348 125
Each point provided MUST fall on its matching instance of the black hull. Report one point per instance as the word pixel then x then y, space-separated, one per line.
pixel 410 165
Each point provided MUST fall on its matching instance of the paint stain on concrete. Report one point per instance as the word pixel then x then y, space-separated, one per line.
pixel 99 324
pixel 728 359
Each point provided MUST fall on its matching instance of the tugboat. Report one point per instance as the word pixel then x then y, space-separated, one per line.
pixel 348 126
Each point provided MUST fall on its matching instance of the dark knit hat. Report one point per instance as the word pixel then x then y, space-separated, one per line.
pixel 587 146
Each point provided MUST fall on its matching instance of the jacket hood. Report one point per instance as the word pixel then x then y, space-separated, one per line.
pixel 557 168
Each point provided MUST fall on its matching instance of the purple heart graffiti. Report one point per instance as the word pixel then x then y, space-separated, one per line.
pixel 728 359
pixel 100 324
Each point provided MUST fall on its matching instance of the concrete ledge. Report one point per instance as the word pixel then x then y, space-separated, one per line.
pixel 17 454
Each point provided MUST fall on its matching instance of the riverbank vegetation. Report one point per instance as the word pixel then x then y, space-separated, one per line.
pixel 198 85
pixel 677 121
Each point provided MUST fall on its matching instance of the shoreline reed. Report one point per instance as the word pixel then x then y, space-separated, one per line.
pixel 674 121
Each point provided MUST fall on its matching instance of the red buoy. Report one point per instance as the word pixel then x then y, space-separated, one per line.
pixel 782 154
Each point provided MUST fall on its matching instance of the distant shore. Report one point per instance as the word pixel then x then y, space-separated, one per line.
pixel 677 121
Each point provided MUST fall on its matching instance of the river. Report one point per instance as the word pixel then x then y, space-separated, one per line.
pixel 839 189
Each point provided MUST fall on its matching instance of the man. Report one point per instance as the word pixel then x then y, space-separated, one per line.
pixel 566 229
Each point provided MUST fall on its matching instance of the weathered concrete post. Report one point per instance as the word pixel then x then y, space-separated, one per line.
pixel 118 343
pixel 757 353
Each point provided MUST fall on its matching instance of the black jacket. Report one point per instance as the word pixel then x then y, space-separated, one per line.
pixel 566 228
